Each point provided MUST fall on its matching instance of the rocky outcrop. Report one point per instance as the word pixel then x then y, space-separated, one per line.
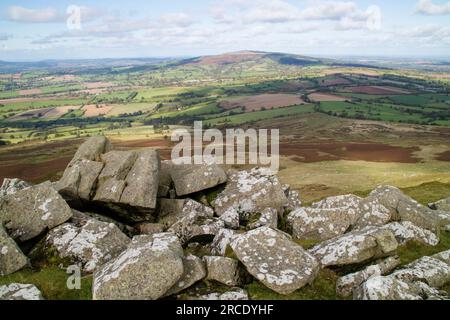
pixel 224 270
pixel 406 231
pixel 355 247
pixel 194 270
pixel 29 212
pixel 89 245
pixel 347 284
pixel 275 260
pixel 147 269
pixel 11 257
pixel 442 205
pixel 125 182
pixel 197 223
pixel 221 241
pixel 250 192
pixel 320 224
pixel 11 186
pixel 189 178
pixel 19 291
pixel 268 217
pixel 418 280
pixel 404 208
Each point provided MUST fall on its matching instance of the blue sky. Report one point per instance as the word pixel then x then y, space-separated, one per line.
pixel 37 30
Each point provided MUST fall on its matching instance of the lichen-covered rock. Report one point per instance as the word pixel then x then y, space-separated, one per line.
pixel 79 180
pixel 293 200
pixel 404 208
pixel 275 260
pixel 196 222
pixel 92 149
pixel 171 210
pixel 224 270
pixel 29 212
pixel 268 217
pixel 405 231
pixel 90 245
pixel 193 178
pixel 231 218
pixel 11 257
pixel 444 256
pixel 117 165
pixel 81 218
pixel 80 176
pixel 20 291
pixel 346 284
pixel 235 294
pixel 165 179
pixel 221 241
pixel 149 228
pixel 418 280
pixel 362 212
pixel 251 192
pixel 142 181
pixel 10 186
pixel 146 270
pixel 194 270
pixel 442 205
pixel 320 224
pixel 355 247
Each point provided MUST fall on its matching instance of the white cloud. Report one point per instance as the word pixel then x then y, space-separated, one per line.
pixel 4 36
pixel 427 7
pixel 21 14
pixel 177 19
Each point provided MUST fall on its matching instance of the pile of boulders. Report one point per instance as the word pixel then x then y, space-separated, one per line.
pixel 150 229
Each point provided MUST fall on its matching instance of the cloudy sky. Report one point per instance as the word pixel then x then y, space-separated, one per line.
pixel 37 30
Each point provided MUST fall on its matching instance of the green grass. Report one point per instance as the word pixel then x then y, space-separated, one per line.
pixel 52 282
pixel 414 250
pixel 429 192
pixel 323 288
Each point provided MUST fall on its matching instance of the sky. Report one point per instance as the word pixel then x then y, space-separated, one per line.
pixel 50 29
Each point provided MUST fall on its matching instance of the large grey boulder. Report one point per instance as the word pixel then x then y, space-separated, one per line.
pixel 442 205
pixel 146 270
pixel 10 186
pixel 142 181
pixel 196 223
pixel 320 224
pixel 81 174
pixel 404 208
pixel 90 245
pixel 405 231
pixel 20 291
pixel 293 199
pixel 172 210
pixel 165 179
pixel 223 270
pixel 92 149
pixel 346 284
pixel 29 212
pixel 268 217
pixel 361 212
pixel 11 257
pixel 355 247
pixel 236 294
pixel 251 192
pixel 194 271
pixel 191 178
pixel 79 180
pixel 221 241
pixel 275 260
pixel 418 280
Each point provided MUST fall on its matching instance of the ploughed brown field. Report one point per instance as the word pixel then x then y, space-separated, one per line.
pixel 376 90
pixel 319 96
pixel 374 152
pixel 262 101
pixel 444 156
